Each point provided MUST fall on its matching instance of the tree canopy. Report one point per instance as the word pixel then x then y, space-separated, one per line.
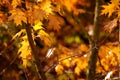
pixel 59 39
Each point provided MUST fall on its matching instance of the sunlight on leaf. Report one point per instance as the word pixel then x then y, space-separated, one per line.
pixel 110 8
pixel 18 34
pixel 46 6
pixel 59 69
pixel 18 16
pixel 25 51
pixel 15 3
pixel 38 26
pixel 45 37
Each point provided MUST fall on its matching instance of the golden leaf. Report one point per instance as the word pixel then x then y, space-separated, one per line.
pixel 59 69
pixel 46 6
pixel 15 3
pixel 18 34
pixel 45 37
pixel 38 26
pixel 77 70
pixel 108 9
pixel 69 4
pixel 18 16
pixel 25 51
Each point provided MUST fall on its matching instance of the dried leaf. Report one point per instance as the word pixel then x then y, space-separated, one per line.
pixel 2 17
pixel 53 23
pixel 111 25
pixel 35 15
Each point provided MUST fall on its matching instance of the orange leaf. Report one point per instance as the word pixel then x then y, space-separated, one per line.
pixel 15 3
pixel 2 17
pixel 18 16
pixel 35 15
pixel 53 22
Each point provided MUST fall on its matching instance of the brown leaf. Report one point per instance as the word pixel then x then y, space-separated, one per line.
pixel 111 25
pixel 35 15
pixel 53 22
pixel 2 17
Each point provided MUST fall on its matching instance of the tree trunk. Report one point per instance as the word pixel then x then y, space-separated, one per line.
pixel 94 47
pixel 34 52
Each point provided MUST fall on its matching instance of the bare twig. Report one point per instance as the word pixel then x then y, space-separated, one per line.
pixel 4 70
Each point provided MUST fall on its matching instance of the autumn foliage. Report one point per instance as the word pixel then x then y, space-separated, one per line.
pixel 62 34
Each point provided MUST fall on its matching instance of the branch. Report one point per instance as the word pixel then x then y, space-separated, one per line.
pixel 34 51
pixel 94 44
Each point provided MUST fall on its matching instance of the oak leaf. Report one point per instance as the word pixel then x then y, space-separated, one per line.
pixel 53 22
pixel 18 16
pixel 25 51
pixel 35 15
pixel 110 8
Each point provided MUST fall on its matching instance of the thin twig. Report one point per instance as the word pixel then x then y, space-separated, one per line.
pixel 34 51
pixel 25 74
pixel 74 56
pixel 3 71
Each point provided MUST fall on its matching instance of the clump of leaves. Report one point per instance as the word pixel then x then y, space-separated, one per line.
pixel 112 9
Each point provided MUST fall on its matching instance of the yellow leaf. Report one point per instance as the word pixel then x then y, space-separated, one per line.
pixel 45 37
pixel 38 26
pixel 18 16
pixel 108 9
pixel 77 70
pixel 46 6
pixel 59 69
pixel 18 34
pixel 25 51
pixel 66 63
